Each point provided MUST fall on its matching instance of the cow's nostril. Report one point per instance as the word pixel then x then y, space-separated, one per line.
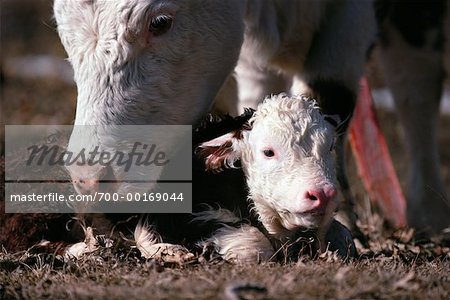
pixel 86 185
pixel 86 179
pixel 91 179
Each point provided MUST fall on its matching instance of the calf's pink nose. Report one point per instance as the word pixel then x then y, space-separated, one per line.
pixel 321 197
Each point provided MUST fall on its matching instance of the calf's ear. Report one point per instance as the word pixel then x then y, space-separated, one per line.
pixel 219 153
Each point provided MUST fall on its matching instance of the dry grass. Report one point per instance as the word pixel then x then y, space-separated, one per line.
pixel 397 264
pixel 405 272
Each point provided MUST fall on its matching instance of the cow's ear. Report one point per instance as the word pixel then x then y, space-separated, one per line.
pixel 219 153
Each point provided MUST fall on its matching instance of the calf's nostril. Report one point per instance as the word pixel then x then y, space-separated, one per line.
pixel 311 196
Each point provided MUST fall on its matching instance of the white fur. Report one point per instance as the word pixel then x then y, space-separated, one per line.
pixel 245 244
pixel 233 242
pixel 89 245
pixel 279 37
pixel 150 244
pixel 145 238
pixel 296 130
pixel 302 141
pixel 220 215
pixel 126 76
pixel 129 80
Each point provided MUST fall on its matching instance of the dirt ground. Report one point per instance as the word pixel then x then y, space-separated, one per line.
pixel 375 278
pixel 396 265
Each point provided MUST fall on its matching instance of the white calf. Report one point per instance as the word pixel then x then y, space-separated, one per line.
pixel 286 153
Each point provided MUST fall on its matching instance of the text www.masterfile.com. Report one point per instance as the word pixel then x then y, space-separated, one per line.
pixel 98 197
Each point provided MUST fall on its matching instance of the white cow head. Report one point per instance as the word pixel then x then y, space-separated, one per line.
pixel 146 62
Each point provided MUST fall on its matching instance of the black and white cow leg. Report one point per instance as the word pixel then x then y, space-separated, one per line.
pixel 413 65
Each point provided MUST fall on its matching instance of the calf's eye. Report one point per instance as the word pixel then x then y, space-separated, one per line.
pixel 269 153
pixel 160 24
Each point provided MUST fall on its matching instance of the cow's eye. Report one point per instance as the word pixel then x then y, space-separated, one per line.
pixel 160 24
pixel 268 153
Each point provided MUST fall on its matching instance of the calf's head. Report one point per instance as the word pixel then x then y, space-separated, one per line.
pixel 146 61
pixel 286 153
